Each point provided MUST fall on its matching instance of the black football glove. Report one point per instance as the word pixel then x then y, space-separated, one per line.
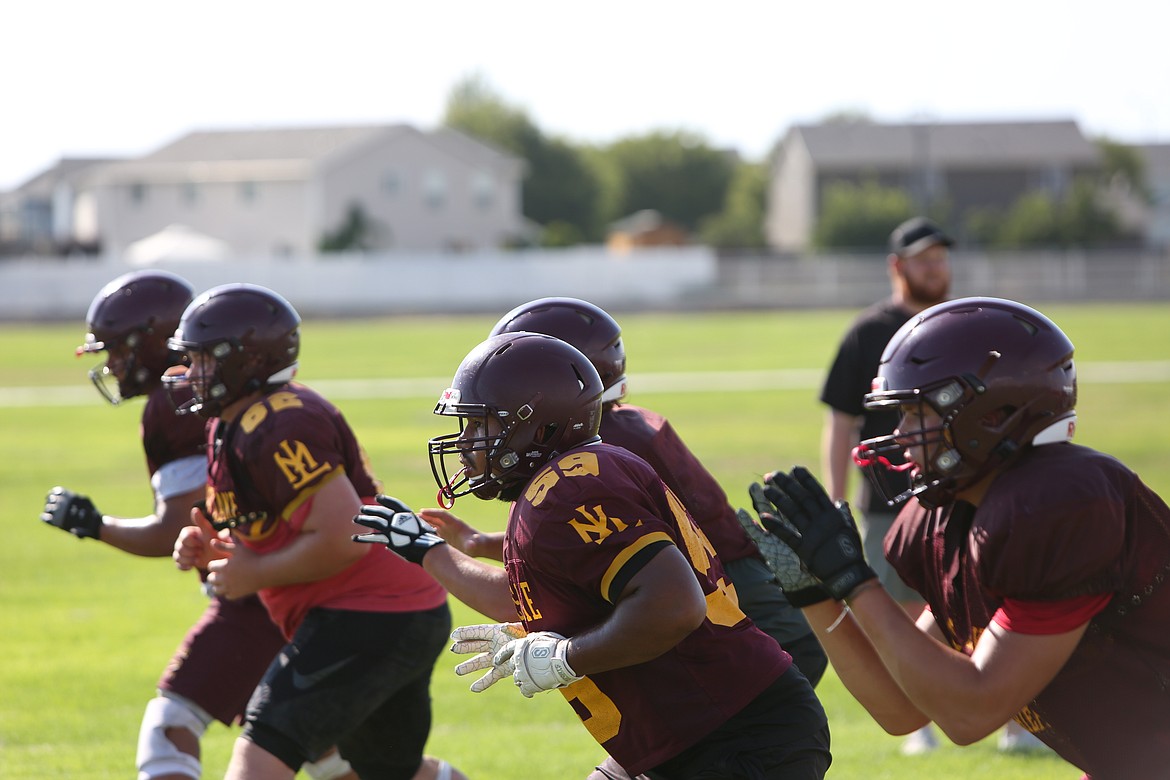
pixel 73 513
pixel 822 533
pixel 398 528
pixel 799 586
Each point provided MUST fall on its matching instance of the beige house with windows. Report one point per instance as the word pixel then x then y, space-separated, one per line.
pixel 960 166
pixel 280 192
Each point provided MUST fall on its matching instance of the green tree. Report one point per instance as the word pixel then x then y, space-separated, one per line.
pixel 860 216
pixel 559 186
pixel 1039 220
pixel 1123 164
pixel 1032 222
pixel 741 222
pixel 354 233
pixel 675 173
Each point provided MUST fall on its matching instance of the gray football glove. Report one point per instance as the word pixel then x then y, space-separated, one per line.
pixel 73 513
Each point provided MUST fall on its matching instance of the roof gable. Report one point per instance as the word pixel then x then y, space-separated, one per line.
pixel 859 144
pixel 306 143
pixel 286 153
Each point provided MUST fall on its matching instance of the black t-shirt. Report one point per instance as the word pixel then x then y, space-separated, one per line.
pixel 851 375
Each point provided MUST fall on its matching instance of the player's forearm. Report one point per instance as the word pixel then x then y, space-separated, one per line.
pixel 860 669
pixel 143 536
pixel 942 683
pixel 152 536
pixel 660 607
pixel 479 585
pixel 481 545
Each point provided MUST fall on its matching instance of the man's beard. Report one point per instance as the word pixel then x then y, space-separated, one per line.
pixel 930 293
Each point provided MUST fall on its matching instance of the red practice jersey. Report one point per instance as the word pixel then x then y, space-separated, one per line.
pixel 266 465
pixel 586 524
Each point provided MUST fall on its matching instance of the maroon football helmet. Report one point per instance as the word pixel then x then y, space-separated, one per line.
pixel 252 333
pixel 545 394
pixel 587 327
pixel 130 320
pixel 999 374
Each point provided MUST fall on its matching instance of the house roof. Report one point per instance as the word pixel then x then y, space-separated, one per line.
pixel 860 144
pixel 266 154
pixel 67 169
pixel 459 144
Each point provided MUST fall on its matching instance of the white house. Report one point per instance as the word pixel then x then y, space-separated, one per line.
pixel 280 192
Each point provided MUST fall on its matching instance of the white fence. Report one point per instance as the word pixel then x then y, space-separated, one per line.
pixel 34 289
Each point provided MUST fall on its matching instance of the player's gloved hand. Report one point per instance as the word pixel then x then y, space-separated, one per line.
pixel 800 587
pixel 73 513
pixel 487 640
pixel 539 661
pixel 398 528
pixel 822 533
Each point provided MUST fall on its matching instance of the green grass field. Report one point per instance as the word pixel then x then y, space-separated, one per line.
pixel 85 630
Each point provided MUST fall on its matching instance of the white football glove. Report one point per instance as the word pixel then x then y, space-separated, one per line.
pixel 487 640
pixel 539 661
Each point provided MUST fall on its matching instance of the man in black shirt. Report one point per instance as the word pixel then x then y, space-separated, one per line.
pixel 920 275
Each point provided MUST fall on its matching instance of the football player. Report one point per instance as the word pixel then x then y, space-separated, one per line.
pixel 1043 563
pixel 223 655
pixel 363 628
pixel 651 436
pixel 609 592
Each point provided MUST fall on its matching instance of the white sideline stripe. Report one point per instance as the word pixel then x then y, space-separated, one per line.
pixel 664 382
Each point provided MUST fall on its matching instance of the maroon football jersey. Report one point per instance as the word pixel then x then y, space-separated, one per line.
pixel 265 466
pixel 1065 521
pixel 650 436
pixel 167 436
pixel 585 525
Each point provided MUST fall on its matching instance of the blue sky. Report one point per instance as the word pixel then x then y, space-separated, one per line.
pixel 123 77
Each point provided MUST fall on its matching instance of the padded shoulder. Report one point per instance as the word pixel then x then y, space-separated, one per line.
pixel 1053 526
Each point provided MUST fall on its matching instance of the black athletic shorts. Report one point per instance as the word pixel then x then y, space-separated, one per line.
pixel 357 680
pixel 781 735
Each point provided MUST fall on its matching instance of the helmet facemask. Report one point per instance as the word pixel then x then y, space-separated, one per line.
pixel 117 385
pixel 239 339
pixel 130 319
pixel 513 450
pixel 536 396
pixel 219 375
pixel 498 461
pixel 882 457
pixel 976 434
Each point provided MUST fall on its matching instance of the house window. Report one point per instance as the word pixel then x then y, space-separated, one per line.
pixel 137 192
pixel 483 190
pixel 248 191
pixel 392 184
pixel 190 192
pixel 435 189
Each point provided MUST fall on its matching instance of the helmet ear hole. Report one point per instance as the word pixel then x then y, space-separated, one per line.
pixel 546 433
pixel 995 419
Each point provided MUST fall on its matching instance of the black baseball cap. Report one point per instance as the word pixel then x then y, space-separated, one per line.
pixel 915 235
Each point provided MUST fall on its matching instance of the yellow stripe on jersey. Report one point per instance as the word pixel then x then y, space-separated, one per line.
pixel 625 555
pixel 292 506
